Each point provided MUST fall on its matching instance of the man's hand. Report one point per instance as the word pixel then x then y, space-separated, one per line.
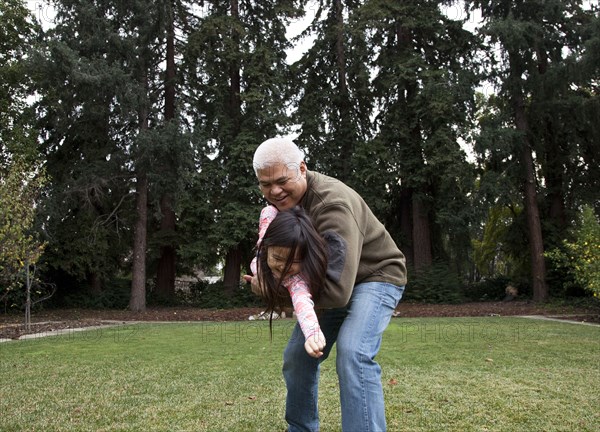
pixel 314 345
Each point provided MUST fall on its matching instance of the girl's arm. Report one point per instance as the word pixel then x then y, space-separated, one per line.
pixel 305 313
pixel 267 214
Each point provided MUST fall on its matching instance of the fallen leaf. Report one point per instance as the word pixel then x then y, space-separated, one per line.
pixel 393 381
pixel 489 360
pixel 252 397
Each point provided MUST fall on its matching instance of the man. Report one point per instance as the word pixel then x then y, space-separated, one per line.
pixel 365 280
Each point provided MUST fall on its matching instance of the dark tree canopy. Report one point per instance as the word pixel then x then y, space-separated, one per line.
pixel 145 116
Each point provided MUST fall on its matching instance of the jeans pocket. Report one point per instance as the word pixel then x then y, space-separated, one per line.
pixel 393 294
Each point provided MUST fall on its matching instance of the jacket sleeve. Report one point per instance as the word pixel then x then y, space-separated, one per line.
pixel 344 238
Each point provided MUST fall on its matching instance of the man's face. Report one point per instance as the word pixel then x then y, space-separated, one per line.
pixel 283 185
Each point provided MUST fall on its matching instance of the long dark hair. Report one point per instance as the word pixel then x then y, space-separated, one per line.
pixel 292 228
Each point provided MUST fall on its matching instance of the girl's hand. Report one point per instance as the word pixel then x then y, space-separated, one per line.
pixel 256 288
pixel 314 345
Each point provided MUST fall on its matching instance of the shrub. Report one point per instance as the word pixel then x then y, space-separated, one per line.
pixel 115 295
pixel 487 289
pixel 212 296
pixel 581 256
pixel 435 284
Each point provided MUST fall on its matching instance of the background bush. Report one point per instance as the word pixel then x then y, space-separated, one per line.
pixel 115 295
pixel 210 296
pixel 436 284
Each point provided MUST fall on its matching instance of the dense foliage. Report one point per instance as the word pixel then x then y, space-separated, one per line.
pixel 470 128
pixel 22 176
pixel 20 245
pixel 579 256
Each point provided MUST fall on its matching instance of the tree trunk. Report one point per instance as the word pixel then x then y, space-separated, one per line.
pixel 137 301
pixel 170 72
pixel 343 105
pixel 421 234
pixel 534 226
pixel 95 284
pixel 231 272
pixel 421 230
pixel 166 271
pixel 167 263
pixel 234 74
pixel 233 260
pixel 554 159
pixel 27 297
pixel 406 225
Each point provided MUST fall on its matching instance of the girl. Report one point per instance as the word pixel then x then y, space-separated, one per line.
pixel 292 262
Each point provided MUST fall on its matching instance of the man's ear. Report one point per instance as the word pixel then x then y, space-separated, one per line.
pixel 303 169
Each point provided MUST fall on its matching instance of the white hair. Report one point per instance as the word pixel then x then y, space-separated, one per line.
pixel 277 151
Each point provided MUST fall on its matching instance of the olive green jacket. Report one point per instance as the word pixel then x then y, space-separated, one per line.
pixel 360 248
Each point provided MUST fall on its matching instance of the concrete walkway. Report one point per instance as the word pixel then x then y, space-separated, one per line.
pixel 67 331
pixel 110 324
pixel 554 318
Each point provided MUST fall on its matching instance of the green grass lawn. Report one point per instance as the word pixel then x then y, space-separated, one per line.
pixel 451 374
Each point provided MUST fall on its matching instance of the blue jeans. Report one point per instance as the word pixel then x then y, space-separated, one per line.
pixel 357 329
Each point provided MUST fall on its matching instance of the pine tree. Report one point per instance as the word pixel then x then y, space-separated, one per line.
pixel 172 161
pixel 539 89
pixel 235 70
pixel 96 78
pixel 18 33
pixel 424 78
pixel 332 94
pixel 79 77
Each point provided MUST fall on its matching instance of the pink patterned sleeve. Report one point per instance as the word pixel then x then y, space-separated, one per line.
pixel 267 215
pixel 303 305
